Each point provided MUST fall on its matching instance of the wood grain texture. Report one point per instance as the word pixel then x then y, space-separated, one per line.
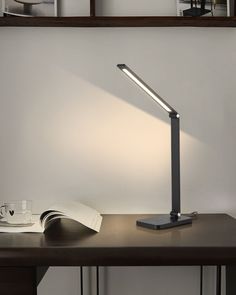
pixel 210 240
pixel 145 21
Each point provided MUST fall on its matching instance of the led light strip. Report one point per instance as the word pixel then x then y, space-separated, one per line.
pixel 147 89
pixel 140 84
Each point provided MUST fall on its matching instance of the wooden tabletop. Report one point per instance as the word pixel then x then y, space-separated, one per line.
pixel 210 240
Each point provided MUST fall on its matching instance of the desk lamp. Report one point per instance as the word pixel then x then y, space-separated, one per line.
pixel 174 218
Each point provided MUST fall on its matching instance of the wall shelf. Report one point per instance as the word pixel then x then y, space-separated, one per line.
pixel 129 21
pixel 119 21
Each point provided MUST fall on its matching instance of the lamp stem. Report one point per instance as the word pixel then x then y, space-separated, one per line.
pixel 175 164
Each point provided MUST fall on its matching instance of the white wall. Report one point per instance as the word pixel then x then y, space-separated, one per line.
pixel 118 7
pixel 136 7
pixel 73 7
pixel 73 127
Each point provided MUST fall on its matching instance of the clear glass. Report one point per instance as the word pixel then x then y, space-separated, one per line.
pixel 17 211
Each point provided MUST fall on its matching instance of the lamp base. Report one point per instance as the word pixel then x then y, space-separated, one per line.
pixel 163 221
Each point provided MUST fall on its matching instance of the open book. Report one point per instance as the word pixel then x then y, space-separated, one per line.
pixel 69 210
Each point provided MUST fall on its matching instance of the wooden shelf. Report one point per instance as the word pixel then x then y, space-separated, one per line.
pixel 119 21
pixel 129 21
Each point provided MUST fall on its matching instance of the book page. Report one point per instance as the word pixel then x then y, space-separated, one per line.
pixel 35 227
pixel 49 215
pixel 78 212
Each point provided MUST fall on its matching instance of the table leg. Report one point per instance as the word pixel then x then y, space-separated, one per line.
pixel 81 281
pixel 218 280
pixel 230 280
pixel 18 281
pixel 201 280
pixel 40 273
pixel 97 279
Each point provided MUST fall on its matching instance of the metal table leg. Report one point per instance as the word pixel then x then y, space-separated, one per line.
pixel 81 281
pixel 201 280
pixel 230 279
pixel 97 280
pixel 218 280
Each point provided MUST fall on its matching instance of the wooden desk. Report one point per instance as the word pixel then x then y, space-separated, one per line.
pixel 210 240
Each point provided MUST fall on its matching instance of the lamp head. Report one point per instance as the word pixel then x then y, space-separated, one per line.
pixel 138 81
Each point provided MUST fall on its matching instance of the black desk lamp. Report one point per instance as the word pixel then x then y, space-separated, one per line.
pixel 174 218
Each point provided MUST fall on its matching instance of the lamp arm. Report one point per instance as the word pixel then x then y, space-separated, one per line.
pixel 175 165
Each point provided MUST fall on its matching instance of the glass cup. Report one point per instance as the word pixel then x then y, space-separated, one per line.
pixel 17 212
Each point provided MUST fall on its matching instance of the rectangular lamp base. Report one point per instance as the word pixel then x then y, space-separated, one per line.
pixel 163 221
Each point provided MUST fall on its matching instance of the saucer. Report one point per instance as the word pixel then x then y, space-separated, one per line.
pixel 6 224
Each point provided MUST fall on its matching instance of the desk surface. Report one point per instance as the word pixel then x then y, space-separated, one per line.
pixel 210 240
